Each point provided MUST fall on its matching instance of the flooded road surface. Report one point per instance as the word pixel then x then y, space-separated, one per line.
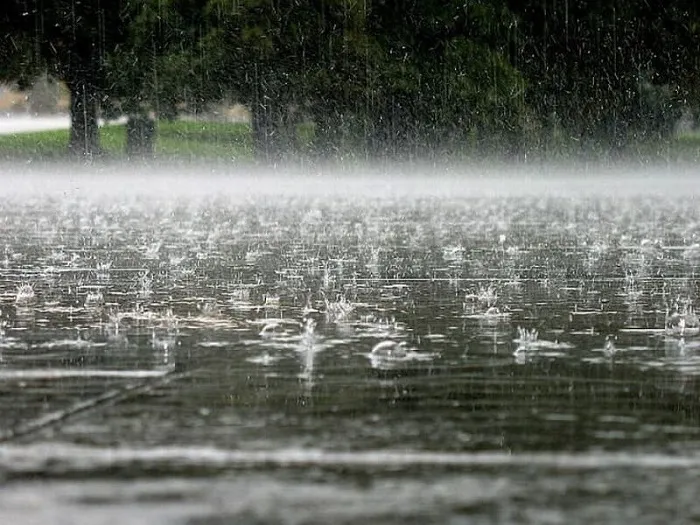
pixel 461 349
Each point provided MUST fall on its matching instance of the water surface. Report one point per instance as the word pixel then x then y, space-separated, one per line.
pixel 200 349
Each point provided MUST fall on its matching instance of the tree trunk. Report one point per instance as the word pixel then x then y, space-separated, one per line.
pixel 327 133
pixel 84 132
pixel 140 136
pixel 267 133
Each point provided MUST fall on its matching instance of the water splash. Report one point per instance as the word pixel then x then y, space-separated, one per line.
pixel 25 295
pixel 683 322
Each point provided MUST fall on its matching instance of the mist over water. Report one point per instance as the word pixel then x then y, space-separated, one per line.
pixel 489 344
pixel 385 180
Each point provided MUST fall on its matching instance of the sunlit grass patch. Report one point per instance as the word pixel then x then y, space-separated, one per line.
pixel 234 132
pixel 191 139
pixel 54 143
pixel 176 139
pixel 113 139
pixel 683 148
pixel 686 147
pixel 203 139
pixel 41 144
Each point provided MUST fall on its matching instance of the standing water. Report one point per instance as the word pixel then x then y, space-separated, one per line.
pixel 208 348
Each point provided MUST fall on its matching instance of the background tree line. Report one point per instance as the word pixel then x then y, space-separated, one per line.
pixel 397 78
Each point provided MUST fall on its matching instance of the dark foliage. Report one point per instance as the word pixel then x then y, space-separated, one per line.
pixel 403 78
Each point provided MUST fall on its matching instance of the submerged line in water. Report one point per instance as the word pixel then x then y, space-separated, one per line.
pixel 497 279
pixel 67 458
pixel 111 396
pixel 49 373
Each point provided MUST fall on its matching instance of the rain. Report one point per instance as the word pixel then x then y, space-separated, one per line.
pixel 349 261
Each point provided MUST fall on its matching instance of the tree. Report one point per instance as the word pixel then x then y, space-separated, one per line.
pixel 608 73
pixel 445 82
pixel 70 40
pixel 160 67
pixel 286 60
pixel 386 78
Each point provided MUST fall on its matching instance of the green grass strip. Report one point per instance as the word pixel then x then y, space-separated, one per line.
pixel 177 139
